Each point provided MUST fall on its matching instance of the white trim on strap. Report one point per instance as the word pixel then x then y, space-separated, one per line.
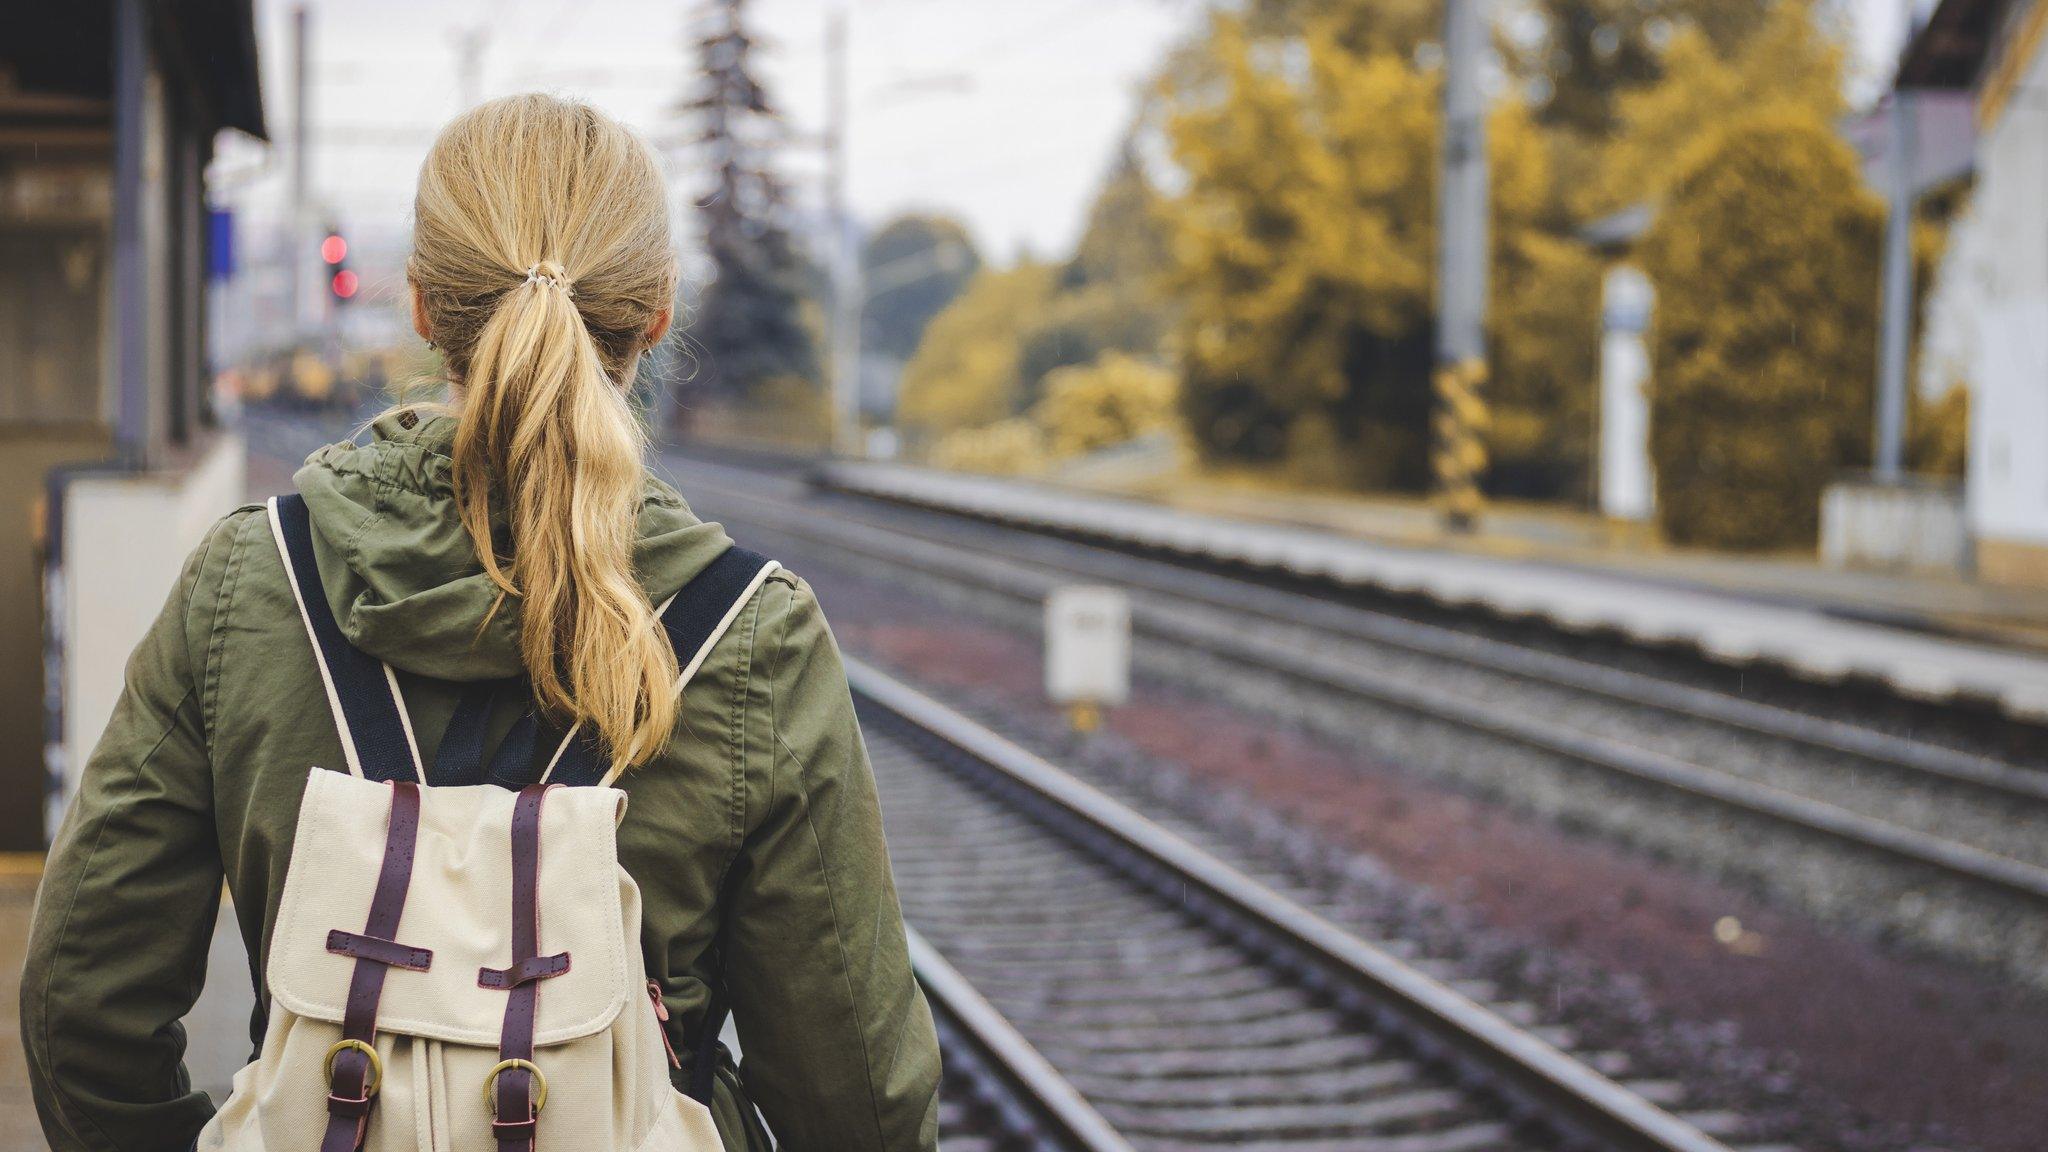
pixel 689 670
pixel 731 614
pixel 419 770
pixel 348 742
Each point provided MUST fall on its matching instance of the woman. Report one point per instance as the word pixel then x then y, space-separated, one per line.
pixel 511 533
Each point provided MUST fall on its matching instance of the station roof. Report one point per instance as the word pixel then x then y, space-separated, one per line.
pixel 1949 51
pixel 207 45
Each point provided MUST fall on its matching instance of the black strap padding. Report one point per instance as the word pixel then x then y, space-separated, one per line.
pixel 374 724
pixel 583 761
pixel 513 765
pixel 698 609
pixel 460 758
pixel 701 1067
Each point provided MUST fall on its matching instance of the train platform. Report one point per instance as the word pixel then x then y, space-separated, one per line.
pixel 1927 638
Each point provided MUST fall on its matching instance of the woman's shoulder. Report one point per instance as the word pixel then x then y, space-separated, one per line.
pixel 218 550
pixel 792 620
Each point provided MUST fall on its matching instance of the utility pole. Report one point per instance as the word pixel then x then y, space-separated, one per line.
pixel 469 66
pixel 846 286
pixel 131 261
pixel 1896 327
pixel 295 212
pixel 1459 449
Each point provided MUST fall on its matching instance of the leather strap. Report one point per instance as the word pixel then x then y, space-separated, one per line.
pixel 514 1124
pixel 382 951
pixel 525 972
pixel 349 1099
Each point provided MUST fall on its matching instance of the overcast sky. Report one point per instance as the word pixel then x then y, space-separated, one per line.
pixel 1001 112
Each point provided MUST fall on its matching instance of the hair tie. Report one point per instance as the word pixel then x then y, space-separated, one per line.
pixel 549 274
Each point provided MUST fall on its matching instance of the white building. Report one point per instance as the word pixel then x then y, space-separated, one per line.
pixel 1989 313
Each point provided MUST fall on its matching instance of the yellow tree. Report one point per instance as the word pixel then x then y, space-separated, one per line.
pixel 1305 250
pixel 1247 163
pixel 964 373
pixel 1765 257
pixel 1789 59
pixel 1107 297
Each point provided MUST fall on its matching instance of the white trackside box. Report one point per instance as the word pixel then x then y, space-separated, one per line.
pixel 1088 645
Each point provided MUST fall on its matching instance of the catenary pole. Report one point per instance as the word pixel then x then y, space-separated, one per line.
pixel 302 147
pixel 1459 450
pixel 469 65
pixel 1896 329
pixel 131 272
pixel 846 287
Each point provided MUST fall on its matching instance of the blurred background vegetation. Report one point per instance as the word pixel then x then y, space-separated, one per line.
pixel 1253 293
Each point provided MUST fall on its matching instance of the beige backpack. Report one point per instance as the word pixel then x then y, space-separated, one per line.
pixel 459 964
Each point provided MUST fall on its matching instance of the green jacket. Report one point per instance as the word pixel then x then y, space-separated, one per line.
pixel 755 837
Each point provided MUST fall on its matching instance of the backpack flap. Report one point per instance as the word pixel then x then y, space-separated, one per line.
pixel 458 909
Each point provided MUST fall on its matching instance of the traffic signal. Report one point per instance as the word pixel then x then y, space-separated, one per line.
pixel 341 280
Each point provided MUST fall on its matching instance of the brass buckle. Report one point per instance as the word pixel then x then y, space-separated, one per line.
pixel 376 1079
pixel 540 1098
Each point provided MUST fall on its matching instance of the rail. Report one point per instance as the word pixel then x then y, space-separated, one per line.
pixel 1539 1081
pixel 1057 1112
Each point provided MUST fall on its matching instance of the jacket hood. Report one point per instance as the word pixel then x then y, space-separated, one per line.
pixel 401 574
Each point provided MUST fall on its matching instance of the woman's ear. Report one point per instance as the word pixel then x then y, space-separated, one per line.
pixel 419 315
pixel 656 330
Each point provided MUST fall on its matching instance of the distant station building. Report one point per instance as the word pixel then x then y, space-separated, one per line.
pixel 108 114
pixel 1988 310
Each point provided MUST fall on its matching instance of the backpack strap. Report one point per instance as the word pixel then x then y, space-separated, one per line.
pixel 515 1088
pixel 362 692
pixel 460 758
pixel 697 617
pixel 694 619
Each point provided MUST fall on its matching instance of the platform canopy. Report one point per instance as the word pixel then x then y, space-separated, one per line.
pixel 61 50
pixel 1950 49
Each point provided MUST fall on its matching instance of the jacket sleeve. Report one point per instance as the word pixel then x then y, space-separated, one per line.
pixel 837 1040
pixel 117 947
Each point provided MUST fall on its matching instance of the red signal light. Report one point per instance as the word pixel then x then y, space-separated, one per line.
pixel 345 284
pixel 334 249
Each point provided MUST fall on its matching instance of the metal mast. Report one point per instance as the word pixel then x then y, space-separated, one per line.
pixel 1896 329
pixel 1459 456
pixel 844 370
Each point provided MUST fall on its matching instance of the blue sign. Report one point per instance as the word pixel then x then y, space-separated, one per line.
pixel 220 244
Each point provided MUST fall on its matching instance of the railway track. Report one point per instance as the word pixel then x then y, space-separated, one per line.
pixel 1000 1094
pixel 1189 1005
pixel 1946 828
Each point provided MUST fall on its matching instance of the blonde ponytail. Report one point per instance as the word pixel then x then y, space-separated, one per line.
pixel 541 259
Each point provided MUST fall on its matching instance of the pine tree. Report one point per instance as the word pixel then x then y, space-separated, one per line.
pixel 748 333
